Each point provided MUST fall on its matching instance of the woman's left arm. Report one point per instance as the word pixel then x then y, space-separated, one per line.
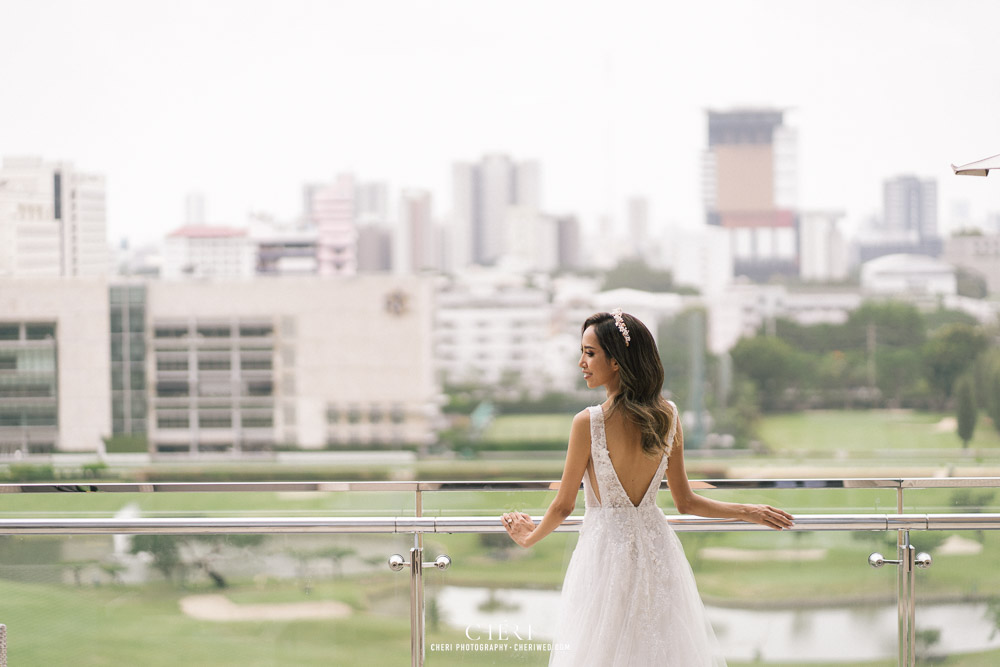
pixel 519 525
pixel 688 502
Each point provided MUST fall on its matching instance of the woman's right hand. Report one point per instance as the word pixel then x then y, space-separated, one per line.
pixel 768 516
pixel 519 526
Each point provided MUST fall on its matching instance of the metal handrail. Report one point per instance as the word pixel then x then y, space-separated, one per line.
pixel 465 524
pixel 515 485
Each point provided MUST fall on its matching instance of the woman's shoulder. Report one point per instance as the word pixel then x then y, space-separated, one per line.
pixel 582 418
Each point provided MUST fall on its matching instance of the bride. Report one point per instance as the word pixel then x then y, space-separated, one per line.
pixel 629 596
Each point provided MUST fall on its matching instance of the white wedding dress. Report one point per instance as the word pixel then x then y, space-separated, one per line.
pixel 629 598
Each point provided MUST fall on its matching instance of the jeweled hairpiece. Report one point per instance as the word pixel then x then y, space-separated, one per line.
pixel 620 323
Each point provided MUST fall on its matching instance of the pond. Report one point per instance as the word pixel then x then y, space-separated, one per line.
pixel 829 634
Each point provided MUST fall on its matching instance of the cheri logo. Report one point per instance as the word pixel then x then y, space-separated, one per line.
pixel 500 631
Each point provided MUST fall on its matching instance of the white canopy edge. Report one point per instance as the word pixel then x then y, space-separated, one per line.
pixel 979 167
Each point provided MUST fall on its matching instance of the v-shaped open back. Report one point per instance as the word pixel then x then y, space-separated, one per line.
pixel 610 490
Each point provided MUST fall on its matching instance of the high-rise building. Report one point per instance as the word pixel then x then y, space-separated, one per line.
pixel 375 250
pixel 333 214
pixel 638 225
pixel 749 185
pixel 822 247
pixel 702 259
pixel 371 202
pixel 415 239
pixel 909 220
pixel 532 241
pixel 52 220
pixel 482 193
pixel 909 204
pixel 568 241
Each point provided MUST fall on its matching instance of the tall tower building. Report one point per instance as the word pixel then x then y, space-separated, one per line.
pixel 52 220
pixel 822 247
pixel 333 214
pixel 749 184
pixel 909 222
pixel 416 238
pixel 371 202
pixel 910 205
pixel 638 225
pixel 483 193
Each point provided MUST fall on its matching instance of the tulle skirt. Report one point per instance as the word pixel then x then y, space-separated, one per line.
pixel 629 597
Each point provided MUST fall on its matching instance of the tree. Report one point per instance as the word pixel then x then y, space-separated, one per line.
pixel 772 365
pixel 336 554
pixel 674 344
pixel 896 323
pixel 988 385
pixel 965 397
pixel 741 416
pixel 164 550
pixel 899 373
pixel 943 317
pixel 949 353
pixel 636 274
pixel 993 399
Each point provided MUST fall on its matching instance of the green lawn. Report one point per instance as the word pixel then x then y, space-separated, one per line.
pixel 509 428
pixel 870 433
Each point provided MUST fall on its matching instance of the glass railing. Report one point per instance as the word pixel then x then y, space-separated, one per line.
pixel 297 573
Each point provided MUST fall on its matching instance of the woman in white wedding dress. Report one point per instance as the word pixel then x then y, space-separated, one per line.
pixel 629 598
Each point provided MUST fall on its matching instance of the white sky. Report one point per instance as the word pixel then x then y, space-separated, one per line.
pixel 247 100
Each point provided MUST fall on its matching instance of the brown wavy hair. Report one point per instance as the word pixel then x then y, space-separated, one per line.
pixel 640 375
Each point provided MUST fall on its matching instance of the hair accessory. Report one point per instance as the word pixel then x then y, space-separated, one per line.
pixel 620 323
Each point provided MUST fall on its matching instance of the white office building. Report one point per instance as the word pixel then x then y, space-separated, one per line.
pixel 52 220
pixel 822 247
pixel 219 367
pixel 913 275
pixel 493 334
pixel 55 368
pixel 701 258
pixel 201 251
pixel 979 254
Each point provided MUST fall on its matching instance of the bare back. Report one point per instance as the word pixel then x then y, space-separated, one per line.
pixel 635 470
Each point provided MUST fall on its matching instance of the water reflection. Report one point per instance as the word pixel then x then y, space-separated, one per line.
pixel 846 634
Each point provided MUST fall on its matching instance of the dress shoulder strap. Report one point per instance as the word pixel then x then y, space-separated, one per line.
pixel 672 433
pixel 598 440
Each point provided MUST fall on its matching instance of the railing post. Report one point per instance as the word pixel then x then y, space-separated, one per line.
pixel 902 545
pixel 417 589
pixel 416 608
pixel 904 599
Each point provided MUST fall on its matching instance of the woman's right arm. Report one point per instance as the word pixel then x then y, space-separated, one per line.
pixel 521 528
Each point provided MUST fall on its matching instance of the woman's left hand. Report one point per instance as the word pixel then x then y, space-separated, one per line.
pixel 768 516
pixel 519 526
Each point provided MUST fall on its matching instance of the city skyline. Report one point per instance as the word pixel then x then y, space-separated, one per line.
pixel 249 102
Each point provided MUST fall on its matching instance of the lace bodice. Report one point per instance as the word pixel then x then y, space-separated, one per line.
pixel 609 486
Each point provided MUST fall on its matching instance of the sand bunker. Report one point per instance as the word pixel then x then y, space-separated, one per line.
pixel 221 608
